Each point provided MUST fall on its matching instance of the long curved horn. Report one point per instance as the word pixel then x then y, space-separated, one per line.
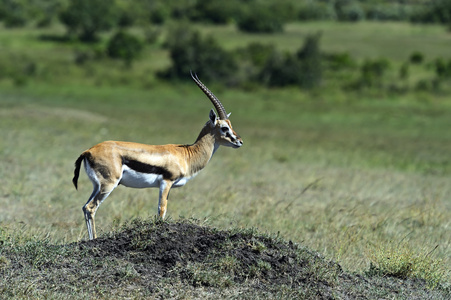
pixel 217 104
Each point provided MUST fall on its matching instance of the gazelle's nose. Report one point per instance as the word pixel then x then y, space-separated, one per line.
pixel 239 143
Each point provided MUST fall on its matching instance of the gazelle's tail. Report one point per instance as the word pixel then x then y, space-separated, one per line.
pixel 77 170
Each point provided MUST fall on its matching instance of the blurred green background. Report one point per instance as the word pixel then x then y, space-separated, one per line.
pixel 344 108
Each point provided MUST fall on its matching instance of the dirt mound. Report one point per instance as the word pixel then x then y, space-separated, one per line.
pixel 155 259
pixel 202 256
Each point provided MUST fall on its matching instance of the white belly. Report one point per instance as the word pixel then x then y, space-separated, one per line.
pixel 182 181
pixel 134 179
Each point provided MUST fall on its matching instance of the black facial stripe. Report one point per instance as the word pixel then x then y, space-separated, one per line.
pixel 146 168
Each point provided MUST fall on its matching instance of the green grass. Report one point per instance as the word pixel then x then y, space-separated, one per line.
pixel 340 178
pixel 401 262
pixel 343 174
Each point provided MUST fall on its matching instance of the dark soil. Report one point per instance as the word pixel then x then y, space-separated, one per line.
pixel 155 259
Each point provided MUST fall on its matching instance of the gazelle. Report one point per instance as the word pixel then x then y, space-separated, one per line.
pixel 111 163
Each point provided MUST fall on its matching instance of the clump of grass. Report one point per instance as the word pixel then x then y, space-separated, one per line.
pixel 257 246
pixel 227 264
pixel 197 275
pixel 258 270
pixel 126 270
pixel 4 262
pixel 402 262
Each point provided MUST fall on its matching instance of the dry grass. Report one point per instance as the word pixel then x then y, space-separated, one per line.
pixel 315 177
pixel 343 175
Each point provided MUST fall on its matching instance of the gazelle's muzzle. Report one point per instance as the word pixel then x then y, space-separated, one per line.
pixel 237 143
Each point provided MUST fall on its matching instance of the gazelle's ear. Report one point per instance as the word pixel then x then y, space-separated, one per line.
pixel 228 115
pixel 212 116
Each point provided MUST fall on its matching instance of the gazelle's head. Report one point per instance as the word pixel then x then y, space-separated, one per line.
pixel 224 133
pixel 222 128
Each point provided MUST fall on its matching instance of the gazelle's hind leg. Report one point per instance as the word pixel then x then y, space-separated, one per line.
pixel 90 208
pixel 89 216
pixel 100 192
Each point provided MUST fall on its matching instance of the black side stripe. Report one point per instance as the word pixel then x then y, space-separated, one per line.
pixel 146 168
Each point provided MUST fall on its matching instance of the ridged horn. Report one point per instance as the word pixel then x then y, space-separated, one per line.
pixel 217 104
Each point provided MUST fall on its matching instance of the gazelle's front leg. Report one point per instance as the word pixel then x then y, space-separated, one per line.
pixel 165 187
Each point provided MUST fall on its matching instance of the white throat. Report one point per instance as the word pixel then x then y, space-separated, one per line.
pixel 216 146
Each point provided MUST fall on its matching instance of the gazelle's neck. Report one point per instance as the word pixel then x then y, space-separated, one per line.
pixel 202 150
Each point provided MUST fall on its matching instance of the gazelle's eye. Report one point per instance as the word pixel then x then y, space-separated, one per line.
pixel 224 129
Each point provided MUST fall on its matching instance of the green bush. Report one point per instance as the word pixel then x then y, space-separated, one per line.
pixel 442 68
pixel 404 71
pixel 311 62
pixel 13 13
pixel 257 54
pixel 423 85
pixel 303 69
pixel 416 57
pixel 190 51
pixel 280 70
pixel 17 13
pixel 339 61
pixel 125 19
pixel 388 12
pixel 260 19
pixel 124 46
pixel 215 11
pixel 85 18
pixel 315 10
pixel 143 12
pixel 373 71
pixel 438 11
pixel 159 14
pixel 251 60
pixel 349 10
pixel 181 10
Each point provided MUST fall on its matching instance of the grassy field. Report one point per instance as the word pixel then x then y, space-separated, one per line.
pixel 357 179
pixel 341 178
